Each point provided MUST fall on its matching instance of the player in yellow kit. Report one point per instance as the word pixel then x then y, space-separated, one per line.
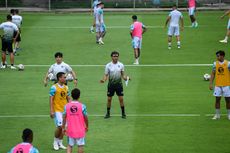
pixel 59 97
pixel 221 71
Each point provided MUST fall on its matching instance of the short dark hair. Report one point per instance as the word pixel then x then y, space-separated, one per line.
pixel 220 53
pixel 58 54
pixel 114 53
pixel 16 11
pixel 12 11
pixel 75 93
pixel 99 3
pixel 9 17
pixel 27 134
pixel 134 17
pixel 59 74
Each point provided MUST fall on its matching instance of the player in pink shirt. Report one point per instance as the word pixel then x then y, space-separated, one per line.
pixel 137 29
pixel 75 121
pixel 191 9
pixel 26 146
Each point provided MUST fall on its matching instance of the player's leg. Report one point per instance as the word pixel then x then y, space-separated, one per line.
pixel 120 94
pixel 110 94
pixel 226 94
pixel 217 93
pixel 97 33
pixel 177 34
pixel 4 48
pixel 10 50
pixel 225 40
pixel 170 34
pixel 80 149
pixel 71 142
pixel 102 34
pixel 135 45
pixel 80 144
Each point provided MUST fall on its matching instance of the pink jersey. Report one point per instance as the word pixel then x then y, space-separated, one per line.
pixel 75 120
pixel 191 3
pixel 137 29
pixel 22 147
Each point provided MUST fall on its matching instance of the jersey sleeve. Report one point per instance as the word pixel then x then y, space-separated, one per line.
pixel 132 27
pixel 68 68
pixel 34 150
pixel 100 11
pixel 84 110
pixel 64 113
pixel 170 14
pixel 143 26
pixel 50 69
pixel 15 27
pixel 52 90
pixel 68 92
pixel 11 151
pixel 214 66
pixel 107 69
pixel 1 26
pixel 229 66
pixel 122 67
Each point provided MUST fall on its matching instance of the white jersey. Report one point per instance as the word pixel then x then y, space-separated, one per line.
pixel 8 30
pixel 99 15
pixel 175 18
pixel 63 67
pixel 17 19
pixel 95 6
pixel 114 72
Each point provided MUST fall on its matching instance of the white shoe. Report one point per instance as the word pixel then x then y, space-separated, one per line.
pixel 13 68
pixel 100 41
pixel 3 66
pixel 195 25
pixel 62 146
pixel 216 117
pixel 178 46
pixel 223 41
pixel 136 63
pixel 55 145
pixel 169 47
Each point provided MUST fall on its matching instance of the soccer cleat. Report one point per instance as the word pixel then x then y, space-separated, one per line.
pixel 223 41
pixel 55 145
pixel 100 41
pixel 136 63
pixel 216 117
pixel 3 66
pixel 107 116
pixel 13 68
pixel 62 146
pixel 123 116
pixel 178 46
pixel 195 25
pixel 169 47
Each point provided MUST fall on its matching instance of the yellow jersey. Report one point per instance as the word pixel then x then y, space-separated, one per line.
pixel 222 74
pixel 60 94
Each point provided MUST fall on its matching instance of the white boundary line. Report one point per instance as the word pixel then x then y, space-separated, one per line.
pixel 144 65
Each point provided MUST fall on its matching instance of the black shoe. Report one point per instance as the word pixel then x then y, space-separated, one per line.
pixel 107 116
pixel 123 116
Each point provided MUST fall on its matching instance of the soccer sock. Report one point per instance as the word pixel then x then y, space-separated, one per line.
pixel 226 38
pixel 169 44
pixel 56 140
pixel 108 110
pixel 178 43
pixel 228 110
pixel 123 110
pixel 218 111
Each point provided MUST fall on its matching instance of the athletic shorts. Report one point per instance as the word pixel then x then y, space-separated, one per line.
pixel 191 10
pixel 222 91
pixel 58 119
pixel 100 28
pixel 136 42
pixel 228 27
pixel 115 88
pixel 7 45
pixel 73 141
pixel 173 31
pixel 18 38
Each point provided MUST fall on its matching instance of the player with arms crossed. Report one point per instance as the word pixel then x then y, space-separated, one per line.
pixel 26 146
pixel 76 120
pixel 59 66
pixel 174 17
pixel 59 96
pixel 114 72
pixel 225 40
pixel 221 71
pixel 137 29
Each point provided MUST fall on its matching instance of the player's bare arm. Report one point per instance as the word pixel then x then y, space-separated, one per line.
pixel 51 106
pixel 211 80
pixel 105 77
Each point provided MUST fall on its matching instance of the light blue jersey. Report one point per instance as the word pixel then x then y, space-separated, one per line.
pixel 99 16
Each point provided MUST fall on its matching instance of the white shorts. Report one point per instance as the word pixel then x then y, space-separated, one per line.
pixel 228 27
pixel 100 28
pixel 191 10
pixel 73 141
pixel 222 91
pixel 58 118
pixel 174 30
pixel 137 42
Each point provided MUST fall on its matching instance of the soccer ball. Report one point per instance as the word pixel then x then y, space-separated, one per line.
pixel 206 77
pixel 21 67
pixel 50 76
pixel 69 77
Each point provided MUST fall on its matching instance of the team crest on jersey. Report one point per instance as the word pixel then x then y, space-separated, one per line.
pixel 221 70
pixel 73 109
pixel 63 95
pixel 20 150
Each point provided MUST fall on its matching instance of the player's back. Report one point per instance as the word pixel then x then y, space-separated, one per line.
pixel 136 28
pixel 8 28
pixel 175 17
pixel 17 19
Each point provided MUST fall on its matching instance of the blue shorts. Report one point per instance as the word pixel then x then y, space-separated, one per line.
pixel 191 11
pixel 137 42
pixel 100 28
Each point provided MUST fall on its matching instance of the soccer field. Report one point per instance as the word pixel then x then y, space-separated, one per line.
pixel 169 107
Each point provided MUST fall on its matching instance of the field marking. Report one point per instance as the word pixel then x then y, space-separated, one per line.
pixel 144 65
pixel 99 115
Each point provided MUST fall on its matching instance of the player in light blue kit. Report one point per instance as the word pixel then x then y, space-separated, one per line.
pixel 100 25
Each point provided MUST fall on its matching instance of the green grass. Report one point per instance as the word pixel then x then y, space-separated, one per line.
pixel 152 90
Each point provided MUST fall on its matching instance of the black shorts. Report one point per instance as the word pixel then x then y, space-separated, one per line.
pixel 118 88
pixel 18 38
pixel 7 46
